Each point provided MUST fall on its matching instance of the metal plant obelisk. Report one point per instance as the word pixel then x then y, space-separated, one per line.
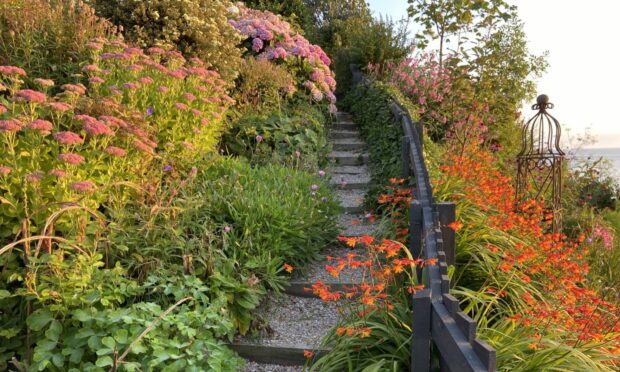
pixel 541 161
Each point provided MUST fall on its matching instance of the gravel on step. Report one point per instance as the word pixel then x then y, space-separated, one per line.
pixel 258 367
pixel 351 199
pixel 356 225
pixel 341 180
pixel 295 322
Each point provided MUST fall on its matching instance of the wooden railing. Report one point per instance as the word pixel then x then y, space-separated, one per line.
pixel 437 318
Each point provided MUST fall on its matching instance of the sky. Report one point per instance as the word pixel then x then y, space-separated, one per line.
pixel 583 77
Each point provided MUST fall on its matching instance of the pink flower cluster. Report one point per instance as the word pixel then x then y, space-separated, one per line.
pixel 274 39
pixel 605 235
pixel 29 95
pixel 68 138
pixel 44 127
pixel 12 71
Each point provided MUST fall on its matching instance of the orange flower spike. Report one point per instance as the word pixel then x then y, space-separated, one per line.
pixel 456 225
pixel 288 268
pixel 308 354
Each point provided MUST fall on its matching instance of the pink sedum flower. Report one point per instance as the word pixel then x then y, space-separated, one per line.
pixel 96 80
pixel 116 151
pixel 84 187
pixel 58 173
pixel 141 146
pixel 181 106
pixel 12 71
pixel 4 170
pixel 71 158
pixel 74 88
pixel 44 127
pixel 91 68
pixel 46 83
pixel 30 96
pixel 59 106
pixel 10 126
pixel 35 177
pixel 69 138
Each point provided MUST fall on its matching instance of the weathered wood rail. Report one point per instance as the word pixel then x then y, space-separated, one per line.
pixel 437 319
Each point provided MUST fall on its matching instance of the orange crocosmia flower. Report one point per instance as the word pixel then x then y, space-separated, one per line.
pixel 367 239
pixel 456 225
pixel 288 268
pixel 365 332
pixel 355 222
pixel 308 354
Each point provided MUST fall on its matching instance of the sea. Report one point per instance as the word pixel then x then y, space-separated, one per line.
pixel 610 154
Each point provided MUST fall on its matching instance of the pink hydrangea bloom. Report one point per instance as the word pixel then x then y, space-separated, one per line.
pixel 12 71
pixel 46 83
pixel 58 173
pixel 10 125
pixel 71 158
pixel 68 138
pixel 4 170
pixel 29 95
pixel 83 187
pixel 116 151
pixel 42 126
pixel 257 44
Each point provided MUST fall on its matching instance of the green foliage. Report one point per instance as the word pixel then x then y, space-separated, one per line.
pixel 197 28
pixel 298 140
pixel 32 36
pixel 262 86
pixel 370 105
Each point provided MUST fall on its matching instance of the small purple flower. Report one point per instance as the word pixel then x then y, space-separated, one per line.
pixel 167 168
pixel 227 228
pixel 149 111
pixel 321 173
pixel 259 138
pixel 314 187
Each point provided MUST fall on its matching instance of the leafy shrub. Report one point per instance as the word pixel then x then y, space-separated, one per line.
pixel 49 38
pixel 197 28
pixel 87 317
pixel 262 86
pixel 297 141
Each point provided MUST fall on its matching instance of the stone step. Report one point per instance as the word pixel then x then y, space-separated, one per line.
pixel 265 367
pixel 345 126
pixel 343 115
pixel 349 170
pixel 350 134
pixel 357 225
pixel 292 325
pixel 348 144
pixel 348 157
pixel 304 288
pixel 350 181
pixel 351 201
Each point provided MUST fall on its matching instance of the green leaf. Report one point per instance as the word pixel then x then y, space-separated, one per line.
pixel 46 345
pixel 120 335
pixel 39 319
pixel 4 294
pixel 104 361
pixel 58 360
pixel 54 331
pixel 109 342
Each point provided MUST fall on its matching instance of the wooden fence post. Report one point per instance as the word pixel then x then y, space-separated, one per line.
pixel 421 337
pixel 447 215
pixel 415 232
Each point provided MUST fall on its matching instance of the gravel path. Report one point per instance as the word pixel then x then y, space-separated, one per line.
pixel 257 367
pixel 295 322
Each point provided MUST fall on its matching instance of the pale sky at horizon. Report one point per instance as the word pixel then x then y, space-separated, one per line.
pixel 583 75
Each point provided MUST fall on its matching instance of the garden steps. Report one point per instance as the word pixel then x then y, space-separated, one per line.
pixel 298 320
